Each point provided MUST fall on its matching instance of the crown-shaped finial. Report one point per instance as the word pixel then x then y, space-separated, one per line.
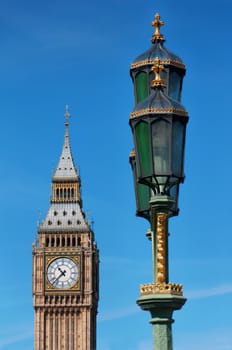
pixel 157 69
pixel 157 24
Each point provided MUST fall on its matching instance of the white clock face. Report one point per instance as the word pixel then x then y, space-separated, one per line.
pixel 62 273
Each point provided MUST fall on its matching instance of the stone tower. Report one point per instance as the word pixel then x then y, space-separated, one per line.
pixel 65 265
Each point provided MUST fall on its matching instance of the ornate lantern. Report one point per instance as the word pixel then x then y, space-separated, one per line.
pixel 142 74
pixel 159 124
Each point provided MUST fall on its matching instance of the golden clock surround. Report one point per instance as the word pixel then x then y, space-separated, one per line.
pixel 48 260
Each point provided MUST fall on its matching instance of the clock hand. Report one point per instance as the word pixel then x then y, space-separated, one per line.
pixel 62 273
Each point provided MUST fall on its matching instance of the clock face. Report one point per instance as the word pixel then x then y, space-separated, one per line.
pixel 62 273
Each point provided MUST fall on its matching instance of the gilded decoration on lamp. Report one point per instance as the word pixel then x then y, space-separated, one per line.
pixel 160 110
pixel 151 61
pixel 157 69
pixel 157 24
pixel 161 288
pixel 161 249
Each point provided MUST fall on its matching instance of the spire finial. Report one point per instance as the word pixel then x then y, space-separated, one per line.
pixel 157 24
pixel 157 69
pixel 67 115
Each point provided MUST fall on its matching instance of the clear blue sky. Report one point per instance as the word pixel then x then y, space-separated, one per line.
pixel 56 52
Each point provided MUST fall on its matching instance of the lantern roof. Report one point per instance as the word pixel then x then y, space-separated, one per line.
pixel 158 101
pixel 157 50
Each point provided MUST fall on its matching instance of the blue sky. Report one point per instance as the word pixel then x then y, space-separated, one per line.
pixel 55 53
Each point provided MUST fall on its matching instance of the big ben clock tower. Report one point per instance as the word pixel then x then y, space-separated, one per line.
pixel 65 265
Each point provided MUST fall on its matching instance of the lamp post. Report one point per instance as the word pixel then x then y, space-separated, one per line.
pixel 158 125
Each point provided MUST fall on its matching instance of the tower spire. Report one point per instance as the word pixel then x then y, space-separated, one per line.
pixel 67 115
pixel 66 167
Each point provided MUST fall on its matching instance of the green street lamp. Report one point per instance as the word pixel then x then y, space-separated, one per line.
pixel 158 125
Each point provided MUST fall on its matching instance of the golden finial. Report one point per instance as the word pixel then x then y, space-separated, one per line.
pixel 157 24
pixel 132 153
pixel 157 69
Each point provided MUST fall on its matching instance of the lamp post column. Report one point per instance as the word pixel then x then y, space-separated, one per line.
pixel 161 297
pixel 162 331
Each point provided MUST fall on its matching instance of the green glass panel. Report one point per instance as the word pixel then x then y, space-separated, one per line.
pixel 143 197
pixel 141 86
pixel 143 149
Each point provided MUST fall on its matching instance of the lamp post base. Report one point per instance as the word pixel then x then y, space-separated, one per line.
pixel 161 307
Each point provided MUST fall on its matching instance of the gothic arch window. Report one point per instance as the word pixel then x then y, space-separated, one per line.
pixel 79 241
pixel 68 193
pixel 68 241
pixel 72 192
pixel 65 193
pixel 63 242
pixel 74 241
pixel 57 193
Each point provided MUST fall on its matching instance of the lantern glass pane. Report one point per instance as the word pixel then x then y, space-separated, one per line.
pixel 177 148
pixel 143 149
pixel 174 85
pixel 161 146
pixel 141 86
pixel 143 197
